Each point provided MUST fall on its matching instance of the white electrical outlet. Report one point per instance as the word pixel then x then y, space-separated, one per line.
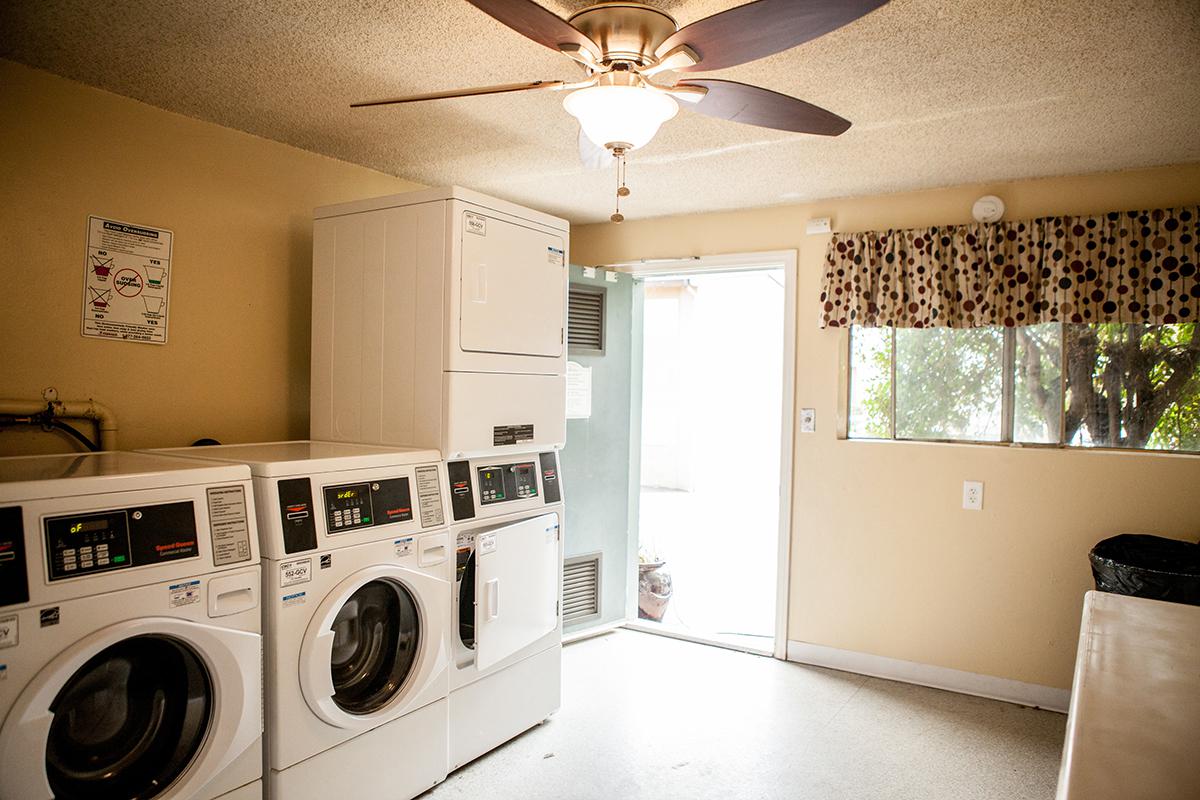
pixel 589 272
pixel 808 420
pixel 973 495
pixel 610 276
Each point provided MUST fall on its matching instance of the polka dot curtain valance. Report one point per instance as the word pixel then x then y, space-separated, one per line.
pixel 1126 266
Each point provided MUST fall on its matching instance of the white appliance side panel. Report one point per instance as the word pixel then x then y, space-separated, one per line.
pixel 377 326
pixel 477 403
pixel 512 288
pixel 516 587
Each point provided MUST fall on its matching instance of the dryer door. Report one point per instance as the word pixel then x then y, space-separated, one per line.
pixel 134 711
pixel 373 645
pixel 517 570
pixel 513 288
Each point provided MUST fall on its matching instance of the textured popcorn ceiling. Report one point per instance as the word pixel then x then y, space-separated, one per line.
pixel 940 93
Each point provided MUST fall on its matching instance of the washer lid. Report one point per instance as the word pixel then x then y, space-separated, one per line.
pixel 34 477
pixel 283 459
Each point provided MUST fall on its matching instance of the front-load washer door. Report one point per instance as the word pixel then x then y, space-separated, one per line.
pixel 373 644
pixel 134 712
pixel 517 570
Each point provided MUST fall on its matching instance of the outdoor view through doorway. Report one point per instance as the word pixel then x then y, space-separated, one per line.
pixel 712 385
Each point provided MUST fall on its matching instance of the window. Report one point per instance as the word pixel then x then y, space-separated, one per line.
pixel 1107 385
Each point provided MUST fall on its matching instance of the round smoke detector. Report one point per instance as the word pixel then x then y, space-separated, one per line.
pixel 988 208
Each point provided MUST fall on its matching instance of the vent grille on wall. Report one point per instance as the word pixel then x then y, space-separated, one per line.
pixel 581 587
pixel 585 319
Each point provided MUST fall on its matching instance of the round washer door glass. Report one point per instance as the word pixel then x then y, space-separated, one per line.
pixel 129 721
pixel 375 638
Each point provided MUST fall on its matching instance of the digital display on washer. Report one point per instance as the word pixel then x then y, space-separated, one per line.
pixel 363 505
pixel 102 541
pixel 503 482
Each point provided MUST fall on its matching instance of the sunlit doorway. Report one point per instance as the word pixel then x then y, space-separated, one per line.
pixel 715 399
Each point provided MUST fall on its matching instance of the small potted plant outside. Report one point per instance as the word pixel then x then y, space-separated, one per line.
pixel 654 586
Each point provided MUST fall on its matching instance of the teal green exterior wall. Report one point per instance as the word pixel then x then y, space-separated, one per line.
pixel 595 460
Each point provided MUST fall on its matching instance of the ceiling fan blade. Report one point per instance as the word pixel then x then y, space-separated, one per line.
pixel 753 105
pixel 501 89
pixel 543 26
pixel 761 28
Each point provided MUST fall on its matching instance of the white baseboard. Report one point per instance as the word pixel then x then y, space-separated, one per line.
pixel 570 637
pixel 952 680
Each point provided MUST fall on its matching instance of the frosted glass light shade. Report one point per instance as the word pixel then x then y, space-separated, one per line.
pixel 620 115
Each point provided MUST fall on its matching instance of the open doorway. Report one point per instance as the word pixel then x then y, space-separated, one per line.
pixel 714 453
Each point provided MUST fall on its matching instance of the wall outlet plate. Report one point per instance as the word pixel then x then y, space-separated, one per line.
pixel 808 420
pixel 973 495
pixel 611 275
pixel 589 272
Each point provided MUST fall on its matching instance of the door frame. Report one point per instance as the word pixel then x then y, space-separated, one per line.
pixel 739 262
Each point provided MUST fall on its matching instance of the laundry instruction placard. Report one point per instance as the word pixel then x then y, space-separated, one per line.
pixel 126 280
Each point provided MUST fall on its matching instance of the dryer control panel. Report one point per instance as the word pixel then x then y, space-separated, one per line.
pixel 503 482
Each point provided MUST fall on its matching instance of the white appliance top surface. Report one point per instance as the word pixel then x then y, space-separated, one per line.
pixel 280 459
pixel 443 193
pixel 31 477
pixel 1135 704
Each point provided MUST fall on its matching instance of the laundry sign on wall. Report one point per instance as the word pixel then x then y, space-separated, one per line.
pixel 126 279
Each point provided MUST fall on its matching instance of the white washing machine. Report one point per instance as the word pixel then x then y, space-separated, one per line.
pixel 506 675
pixel 357 572
pixel 130 654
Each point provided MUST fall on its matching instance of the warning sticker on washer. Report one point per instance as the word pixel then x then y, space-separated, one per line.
pixel 293 599
pixel 404 547
pixel 476 224
pixel 184 594
pixel 229 525
pixel 126 275
pixel 487 543
pixel 293 572
pixel 9 631
pixel 429 496
pixel 555 256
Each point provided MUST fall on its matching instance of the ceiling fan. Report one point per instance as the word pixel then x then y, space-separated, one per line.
pixel 622 46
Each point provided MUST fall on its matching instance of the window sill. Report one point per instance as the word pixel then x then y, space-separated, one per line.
pixel 1025 446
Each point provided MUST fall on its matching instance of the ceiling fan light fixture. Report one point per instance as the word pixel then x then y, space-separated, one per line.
pixel 620 116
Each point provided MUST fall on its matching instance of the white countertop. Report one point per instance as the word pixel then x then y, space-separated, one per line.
pixel 1134 724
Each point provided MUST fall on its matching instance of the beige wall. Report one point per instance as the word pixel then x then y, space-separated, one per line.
pixel 884 559
pixel 236 365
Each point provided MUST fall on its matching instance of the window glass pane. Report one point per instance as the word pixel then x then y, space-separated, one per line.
pixel 1037 384
pixel 1132 385
pixel 870 382
pixel 948 383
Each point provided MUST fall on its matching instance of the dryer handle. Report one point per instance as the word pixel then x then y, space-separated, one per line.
pixel 317 669
pixel 491 599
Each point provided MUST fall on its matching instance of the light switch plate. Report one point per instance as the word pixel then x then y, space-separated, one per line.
pixel 973 495
pixel 808 420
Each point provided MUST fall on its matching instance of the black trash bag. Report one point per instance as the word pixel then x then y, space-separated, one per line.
pixel 1141 565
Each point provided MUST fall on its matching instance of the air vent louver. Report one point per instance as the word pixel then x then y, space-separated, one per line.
pixel 581 588
pixel 585 320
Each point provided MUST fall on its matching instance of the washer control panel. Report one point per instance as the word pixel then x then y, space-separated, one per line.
pixel 502 482
pixel 362 505
pixel 83 544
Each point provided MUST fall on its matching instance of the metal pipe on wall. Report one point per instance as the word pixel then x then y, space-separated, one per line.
pixel 98 413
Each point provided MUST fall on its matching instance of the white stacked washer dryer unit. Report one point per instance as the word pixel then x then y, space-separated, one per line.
pixel 357 571
pixel 130 654
pixel 439 320
pixel 507 634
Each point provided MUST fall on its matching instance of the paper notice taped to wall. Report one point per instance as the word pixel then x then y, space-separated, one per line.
pixel 579 391
pixel 126 280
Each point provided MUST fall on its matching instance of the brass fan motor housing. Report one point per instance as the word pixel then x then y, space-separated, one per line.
pixel 625 32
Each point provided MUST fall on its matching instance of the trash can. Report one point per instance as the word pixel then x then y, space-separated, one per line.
pixel 1148 566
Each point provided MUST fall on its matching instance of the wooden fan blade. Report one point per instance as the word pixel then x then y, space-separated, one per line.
pixel 753 105
pixel 529 19
pixel 761 28
pixel 501 89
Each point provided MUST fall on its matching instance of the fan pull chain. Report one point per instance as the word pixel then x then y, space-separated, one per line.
pixel 622 189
